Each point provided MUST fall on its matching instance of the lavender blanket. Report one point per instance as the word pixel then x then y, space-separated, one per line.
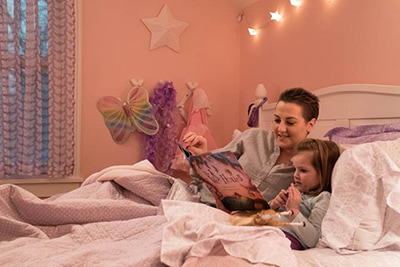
pixel 117 218
pixel 364 133
pixel 111 223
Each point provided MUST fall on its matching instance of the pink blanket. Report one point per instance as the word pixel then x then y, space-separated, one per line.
pixel 107 223
pixel 115 219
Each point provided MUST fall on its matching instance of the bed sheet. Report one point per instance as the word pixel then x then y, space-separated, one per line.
pixel 328 257
pixel 307 258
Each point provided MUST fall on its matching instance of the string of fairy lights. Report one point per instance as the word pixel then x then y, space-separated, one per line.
pixel 276 16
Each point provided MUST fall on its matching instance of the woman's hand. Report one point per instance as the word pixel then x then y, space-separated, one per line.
pixel 196 144
pixel 280 200
pixel 293 201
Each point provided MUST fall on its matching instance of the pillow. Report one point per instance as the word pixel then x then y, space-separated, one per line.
pixel 364 133
pixel 369 231
pixel 363 180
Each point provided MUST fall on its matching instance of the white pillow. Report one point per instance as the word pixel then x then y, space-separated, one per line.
pixel 361 182
pixel 369 230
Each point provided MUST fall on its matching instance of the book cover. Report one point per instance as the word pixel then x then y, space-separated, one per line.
pixel 230 185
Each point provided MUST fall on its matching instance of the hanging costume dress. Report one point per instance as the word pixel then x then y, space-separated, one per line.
pixel 196 122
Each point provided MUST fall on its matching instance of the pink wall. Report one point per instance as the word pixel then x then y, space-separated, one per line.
pixel 115 49
pixel 321 43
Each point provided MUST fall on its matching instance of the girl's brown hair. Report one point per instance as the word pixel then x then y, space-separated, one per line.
pixel 325 155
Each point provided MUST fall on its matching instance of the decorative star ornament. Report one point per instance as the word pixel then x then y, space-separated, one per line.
pixel 275 16
pixel 165 30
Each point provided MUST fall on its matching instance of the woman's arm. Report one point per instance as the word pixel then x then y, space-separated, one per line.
pixel 196 144
pixel 197 183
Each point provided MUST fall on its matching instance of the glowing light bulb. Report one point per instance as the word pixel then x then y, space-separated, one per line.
pixel 252 31
pixel 275 16
pixel 296 3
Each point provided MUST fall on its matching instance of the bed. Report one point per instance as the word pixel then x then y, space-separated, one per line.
pixel 133 215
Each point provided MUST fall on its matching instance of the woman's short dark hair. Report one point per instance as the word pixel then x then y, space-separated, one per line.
pixel 305 99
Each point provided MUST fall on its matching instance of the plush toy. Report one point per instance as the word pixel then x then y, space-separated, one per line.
pixel 263 217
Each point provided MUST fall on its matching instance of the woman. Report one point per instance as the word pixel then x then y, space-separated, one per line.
pixel 265 155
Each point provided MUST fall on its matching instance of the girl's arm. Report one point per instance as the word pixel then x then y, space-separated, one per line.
pixel 279 201
pixel 311 233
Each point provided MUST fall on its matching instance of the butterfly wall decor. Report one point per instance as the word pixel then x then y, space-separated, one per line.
pixel 122 118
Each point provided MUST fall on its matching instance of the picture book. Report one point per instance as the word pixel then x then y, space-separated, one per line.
pixel 223 175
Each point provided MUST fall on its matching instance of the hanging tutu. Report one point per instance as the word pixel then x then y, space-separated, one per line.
pixel 196 122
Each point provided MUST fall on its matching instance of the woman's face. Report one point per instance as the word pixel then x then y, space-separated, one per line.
pixel 289 125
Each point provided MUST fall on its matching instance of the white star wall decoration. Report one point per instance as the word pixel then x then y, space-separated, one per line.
pixel 165 30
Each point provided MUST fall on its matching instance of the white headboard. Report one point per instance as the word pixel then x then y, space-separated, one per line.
pixel 348 105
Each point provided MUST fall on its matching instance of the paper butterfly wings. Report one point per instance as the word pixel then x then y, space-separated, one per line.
pixel 123 118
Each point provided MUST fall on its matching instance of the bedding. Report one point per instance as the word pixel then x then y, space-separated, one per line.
pixel 364 133
pixel 364 211
pixel 366 187
pixel 113 222
pixel 137 216
pixel 306 258
pixel 116 218
pixel 194 229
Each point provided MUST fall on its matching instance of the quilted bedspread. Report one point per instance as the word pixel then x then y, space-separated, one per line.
pixel 116 219
pixel 111 220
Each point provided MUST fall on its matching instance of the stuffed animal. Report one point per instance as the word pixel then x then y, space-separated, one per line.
pixel 263 217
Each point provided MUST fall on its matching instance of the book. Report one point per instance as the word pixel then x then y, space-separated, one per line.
pixel 230 185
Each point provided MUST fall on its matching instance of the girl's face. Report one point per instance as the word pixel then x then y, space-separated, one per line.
pixel 306 176
pixel 289 126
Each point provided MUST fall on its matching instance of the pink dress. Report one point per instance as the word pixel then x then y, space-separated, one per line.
pixel 197 122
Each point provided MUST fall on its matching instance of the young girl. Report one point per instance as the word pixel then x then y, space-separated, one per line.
pixel 308 198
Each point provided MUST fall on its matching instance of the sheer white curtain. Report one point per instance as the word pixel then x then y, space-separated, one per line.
pixel 37 49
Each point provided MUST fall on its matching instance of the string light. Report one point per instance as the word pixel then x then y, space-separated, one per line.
pixel 252 31
pixel 275 16
pixel 296 3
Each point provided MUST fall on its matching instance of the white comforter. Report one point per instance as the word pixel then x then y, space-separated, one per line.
pixel 195 230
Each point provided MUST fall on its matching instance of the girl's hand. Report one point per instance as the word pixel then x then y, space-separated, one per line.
pixel 196 144
pixel 280 200
pixel 294 198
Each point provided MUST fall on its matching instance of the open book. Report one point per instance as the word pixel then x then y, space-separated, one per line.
pixel 231 187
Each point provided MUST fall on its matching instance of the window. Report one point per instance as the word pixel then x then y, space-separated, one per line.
pixel 37 48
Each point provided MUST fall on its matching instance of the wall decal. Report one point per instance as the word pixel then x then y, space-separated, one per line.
pixel 165 30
